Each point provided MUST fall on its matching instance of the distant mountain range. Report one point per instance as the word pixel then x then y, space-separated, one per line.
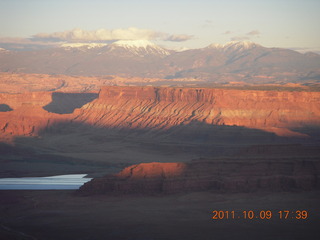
pixel 234 61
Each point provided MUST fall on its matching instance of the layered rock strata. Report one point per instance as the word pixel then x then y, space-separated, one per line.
pixel 152 108
pixel 162 108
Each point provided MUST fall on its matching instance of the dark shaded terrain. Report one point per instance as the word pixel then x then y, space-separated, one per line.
pixel 5 108
pixel 81 148
pixel 71 147
pixel 64 103
pixel 62 215
pixel 224 176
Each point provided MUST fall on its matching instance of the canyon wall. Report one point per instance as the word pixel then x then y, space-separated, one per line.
pixel 162 108
pixel 16 100
pixel 153 108
pixel 27 116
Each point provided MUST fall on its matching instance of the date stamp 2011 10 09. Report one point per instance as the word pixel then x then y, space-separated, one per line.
pixel 260 214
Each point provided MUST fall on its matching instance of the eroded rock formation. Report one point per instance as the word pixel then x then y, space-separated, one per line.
pixel 222 176
pixel 156 108
pixel 162 108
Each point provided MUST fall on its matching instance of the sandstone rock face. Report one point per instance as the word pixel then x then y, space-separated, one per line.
pixel 27 120
pixel 157 108
pixel 23 99
pixel 27 117
pixel 162 108
pixel 221 176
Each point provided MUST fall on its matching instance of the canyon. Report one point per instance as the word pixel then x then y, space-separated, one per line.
pixel 161 158
pixel 103 131
pixel 155 120
pixel 160 108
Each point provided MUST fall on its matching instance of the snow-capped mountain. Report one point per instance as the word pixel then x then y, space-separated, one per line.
pixel 233 61
pixel 234 46
pixel 83 45
pixel 139 48
pixel 135 44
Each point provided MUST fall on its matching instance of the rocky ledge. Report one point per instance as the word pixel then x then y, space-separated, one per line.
pixel 220 176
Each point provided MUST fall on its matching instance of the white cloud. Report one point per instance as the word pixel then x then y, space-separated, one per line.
pixel 78 35
pixel 253 33
pixel 305 50
pixel 103 35
pixel 248 36
pixel 47 40
pixel 208 24
pixel 178 38
pixel 24 44
pixel 239 38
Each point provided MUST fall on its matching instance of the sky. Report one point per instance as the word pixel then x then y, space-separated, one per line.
pixel 176 24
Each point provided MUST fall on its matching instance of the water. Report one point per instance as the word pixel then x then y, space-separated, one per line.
pixel 70 181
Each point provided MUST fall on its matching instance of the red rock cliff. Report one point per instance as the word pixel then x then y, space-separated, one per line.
pixel 16 100
pixel 162 108
pixel 27 116
pixel 223 176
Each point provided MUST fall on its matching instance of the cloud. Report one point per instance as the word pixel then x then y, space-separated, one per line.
pixel 239 38
pixel 23 44
pixel 80 35
pixel 305 49
pixel 105 35
pixel 47 40
pixel 227 32
pixel 179 38
pixel 246 37
pixel 208 24
pixel 253 33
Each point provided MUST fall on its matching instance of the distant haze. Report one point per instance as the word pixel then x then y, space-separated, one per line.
pixel 235 61
pixel 174 24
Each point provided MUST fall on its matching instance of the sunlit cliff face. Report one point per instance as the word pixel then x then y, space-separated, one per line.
pixel 152 170
pixel 227 176
pixel 163 108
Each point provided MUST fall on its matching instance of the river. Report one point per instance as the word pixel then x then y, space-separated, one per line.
pixel 70 181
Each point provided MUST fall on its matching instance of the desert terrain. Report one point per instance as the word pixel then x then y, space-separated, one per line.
pixel 118 126
pixel 159 120
pixel 63 215
pixel 162 158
